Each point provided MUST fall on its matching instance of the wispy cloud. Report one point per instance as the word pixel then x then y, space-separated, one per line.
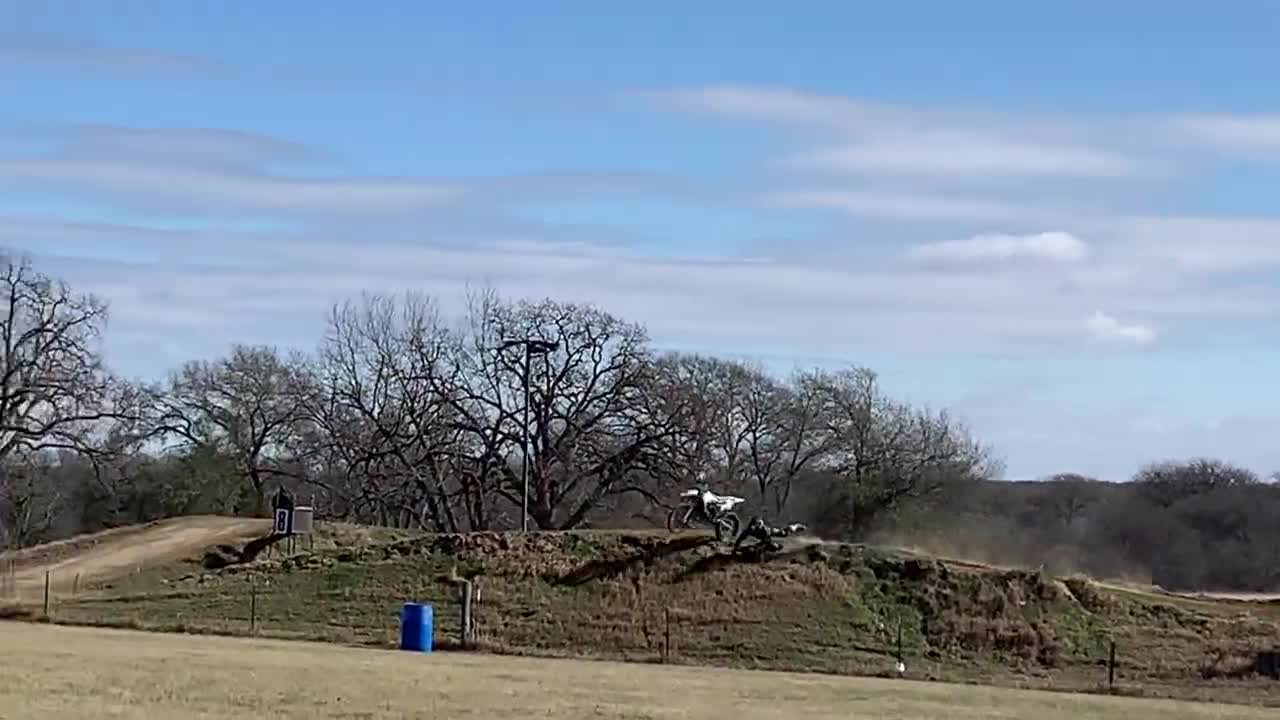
pixel 900 205
pixel 1049 246
pixel 205 170
pixel 1241 132
pixel 967 153
pixel 1196 245
pixel 808 308
pixel 180 145
pixel 772 104
pixel 25 49
pixel 213 190
pixel 1107 328
pixel 883 139
pixel 857 136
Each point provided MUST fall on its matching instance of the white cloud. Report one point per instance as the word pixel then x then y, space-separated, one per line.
pixel 1232 131
pixel 1106 327
pixel 809 309
pixel 876 138
pixel 899 206
pixel 771 104
pixel 1049 246
pixel 206 187
pixel 202 146
pixel 964 298
pixel 25 50
pixel 882 139
pixel 1197 245
pixel 954 153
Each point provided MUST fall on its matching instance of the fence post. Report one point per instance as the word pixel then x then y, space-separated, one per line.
pixel 900 658
pixel 467 597
pixel 666 635
pixel 1111 667
pixel 253 604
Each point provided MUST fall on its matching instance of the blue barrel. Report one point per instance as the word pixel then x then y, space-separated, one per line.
pixel 416 627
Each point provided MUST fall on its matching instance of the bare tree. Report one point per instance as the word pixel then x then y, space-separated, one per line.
pixel 598 426
pixel 53 383
pixel 789 437
pixel 1068 496
pixel 747 426
pixel 888 453
pixel 29 499
pixel 482 385
pixel 725 407
pixel 383 410
pixel 1165 483
pixel 692 378
pixel 245 405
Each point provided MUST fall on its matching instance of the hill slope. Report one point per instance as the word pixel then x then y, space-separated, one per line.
pixel 648 596
pixel 109 554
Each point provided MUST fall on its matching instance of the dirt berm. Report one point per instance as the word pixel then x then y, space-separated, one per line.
pixel 814 606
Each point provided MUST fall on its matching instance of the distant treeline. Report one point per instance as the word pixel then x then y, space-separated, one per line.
pixel 1200 524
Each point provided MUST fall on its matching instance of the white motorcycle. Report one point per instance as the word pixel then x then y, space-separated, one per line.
pixel 704 506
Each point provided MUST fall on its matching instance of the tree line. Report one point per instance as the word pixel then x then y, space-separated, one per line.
pixel 407 416
pixel 1197 524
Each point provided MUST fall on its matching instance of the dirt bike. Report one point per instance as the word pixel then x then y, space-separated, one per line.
pixel 704 506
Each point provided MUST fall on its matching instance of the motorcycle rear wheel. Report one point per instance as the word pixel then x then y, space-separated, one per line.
pixel 676 521
pixel 727 527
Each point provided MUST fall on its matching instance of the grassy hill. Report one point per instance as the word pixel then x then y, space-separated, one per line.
pixel 814 607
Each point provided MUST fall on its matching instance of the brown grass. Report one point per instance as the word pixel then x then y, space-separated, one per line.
pixel 74 673
pixel 818 607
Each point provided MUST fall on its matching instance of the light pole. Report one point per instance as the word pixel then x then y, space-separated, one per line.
pixel 531 347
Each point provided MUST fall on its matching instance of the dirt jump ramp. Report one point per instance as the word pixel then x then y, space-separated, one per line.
pixel 100 557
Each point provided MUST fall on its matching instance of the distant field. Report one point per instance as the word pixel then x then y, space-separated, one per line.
pixel 75 673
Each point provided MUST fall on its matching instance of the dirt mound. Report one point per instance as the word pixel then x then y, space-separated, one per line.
pixel 941 609
pixel 570 558
pixel 53 552
pixel 812 605
pixel 225 555
pixel 114 553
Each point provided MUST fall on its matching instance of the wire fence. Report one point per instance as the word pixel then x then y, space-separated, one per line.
pixel 360 603
pixel 488 614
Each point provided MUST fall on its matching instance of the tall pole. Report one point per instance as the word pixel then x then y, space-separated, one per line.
pixel 524 449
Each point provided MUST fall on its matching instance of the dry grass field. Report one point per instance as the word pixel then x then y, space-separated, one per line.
pixel 636 596
pixel 74 673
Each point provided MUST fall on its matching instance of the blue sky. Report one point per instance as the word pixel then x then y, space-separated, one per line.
pixel 1060 222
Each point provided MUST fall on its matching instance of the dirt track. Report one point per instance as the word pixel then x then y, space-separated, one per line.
pixel 115 553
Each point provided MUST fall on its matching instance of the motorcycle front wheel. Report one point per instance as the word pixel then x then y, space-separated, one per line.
pixel 676 521
pixel 727 527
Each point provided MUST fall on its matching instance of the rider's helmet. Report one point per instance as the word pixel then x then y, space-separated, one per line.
pixel 705 483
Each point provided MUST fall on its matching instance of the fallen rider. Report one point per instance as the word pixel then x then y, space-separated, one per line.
pixel 758 530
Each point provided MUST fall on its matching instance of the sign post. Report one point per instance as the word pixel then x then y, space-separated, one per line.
pixel 284 522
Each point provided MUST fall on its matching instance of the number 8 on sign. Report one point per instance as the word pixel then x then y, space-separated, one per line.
pixel 282 522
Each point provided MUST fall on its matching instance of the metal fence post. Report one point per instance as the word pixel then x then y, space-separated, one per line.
pixel 1111 667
